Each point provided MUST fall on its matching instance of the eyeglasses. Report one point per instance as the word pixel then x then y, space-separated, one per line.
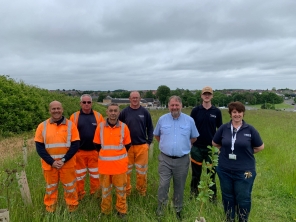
pixel 88 102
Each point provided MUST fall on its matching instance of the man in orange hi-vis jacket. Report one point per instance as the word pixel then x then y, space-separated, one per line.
pixel 86 121
pixel 112 139
pixel 57 141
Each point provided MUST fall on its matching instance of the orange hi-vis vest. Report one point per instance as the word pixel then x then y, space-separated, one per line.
pixel 75 116
pixel 57 140
pixel 112 156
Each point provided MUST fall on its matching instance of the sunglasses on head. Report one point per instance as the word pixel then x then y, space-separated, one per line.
pixel 88 102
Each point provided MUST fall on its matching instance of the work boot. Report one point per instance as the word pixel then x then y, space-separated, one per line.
pixel 72 208
pixel 51 208
pixel 122 216
pixel 81 196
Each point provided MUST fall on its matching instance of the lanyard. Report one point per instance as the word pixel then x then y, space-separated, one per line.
pixel 233 138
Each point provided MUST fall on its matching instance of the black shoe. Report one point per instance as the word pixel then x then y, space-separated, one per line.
pixel 159 211
pixel 179 217
pixel 121 215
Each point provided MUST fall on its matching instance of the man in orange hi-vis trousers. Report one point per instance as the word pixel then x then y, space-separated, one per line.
pixel 139 122
pixel 86 121
pixel 57 141
pixel 112 139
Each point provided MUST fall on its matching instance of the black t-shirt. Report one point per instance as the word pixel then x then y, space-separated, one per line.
pixel 206 122
pixel 87 125
pixel 139 123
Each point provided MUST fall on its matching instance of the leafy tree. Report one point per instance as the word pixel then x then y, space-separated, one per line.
pixel 149 94
pixel 102 96
pixel 163 93
pixel 125 94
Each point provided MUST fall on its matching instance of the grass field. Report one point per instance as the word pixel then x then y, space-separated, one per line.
pixel 274 192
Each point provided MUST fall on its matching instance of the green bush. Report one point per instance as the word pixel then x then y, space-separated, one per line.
pixel 23 106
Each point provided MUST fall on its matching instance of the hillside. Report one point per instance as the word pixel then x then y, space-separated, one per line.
pixel 23 107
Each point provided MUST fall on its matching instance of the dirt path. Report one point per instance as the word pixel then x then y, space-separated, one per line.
pixel 12 147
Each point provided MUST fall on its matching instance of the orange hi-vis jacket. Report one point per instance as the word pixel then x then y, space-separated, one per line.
pixel 75 116
pixel 112 156
pixel 57 140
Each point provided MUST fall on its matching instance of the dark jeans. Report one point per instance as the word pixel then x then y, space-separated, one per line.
pixel 236 191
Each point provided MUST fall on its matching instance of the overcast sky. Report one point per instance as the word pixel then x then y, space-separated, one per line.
pixel 139 44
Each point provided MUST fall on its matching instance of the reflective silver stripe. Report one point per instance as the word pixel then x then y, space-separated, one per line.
pixel 102 133
pixel 130 166
pixel 129 171
pixel 81 170
pixel 51 185
pixel 112 147
pixel 81 177
pixel 98 114
pixel 75 118
pixel 106 195
pixel 57 156
pixel 104 189
pixel 121 193
pixel 94 176
pixel 93 170
pixel 44 131
pixel 70 184
pixel 122 133
pixel 69 191
pixel 55 145
pixel 111 158
pixel 120 188
pixel 50 192
pixel 141 172
pixel 69 133
pixel 141 166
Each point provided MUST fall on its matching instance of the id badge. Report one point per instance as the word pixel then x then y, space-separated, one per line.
pixel 232 156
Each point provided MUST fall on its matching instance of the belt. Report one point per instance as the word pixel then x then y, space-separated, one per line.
pixel 174 157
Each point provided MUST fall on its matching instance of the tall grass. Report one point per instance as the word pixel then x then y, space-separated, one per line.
pixel 274 192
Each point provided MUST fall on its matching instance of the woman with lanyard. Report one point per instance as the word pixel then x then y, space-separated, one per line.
pixel 237 141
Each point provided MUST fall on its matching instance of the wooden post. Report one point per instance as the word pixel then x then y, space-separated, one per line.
pixel 24 188
pixel 25 152
pixel 4 215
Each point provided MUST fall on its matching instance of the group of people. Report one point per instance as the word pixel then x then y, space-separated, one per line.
pixel 108 149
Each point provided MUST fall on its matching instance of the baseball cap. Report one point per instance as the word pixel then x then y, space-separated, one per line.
pixel 207 89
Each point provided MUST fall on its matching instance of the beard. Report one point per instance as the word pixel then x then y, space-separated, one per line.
pixel 176 114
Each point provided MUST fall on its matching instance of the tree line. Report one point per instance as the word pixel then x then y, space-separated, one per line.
pixel 190 98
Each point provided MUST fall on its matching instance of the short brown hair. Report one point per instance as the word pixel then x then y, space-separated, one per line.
pixel 237 106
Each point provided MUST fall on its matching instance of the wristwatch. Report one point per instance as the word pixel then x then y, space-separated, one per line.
pixel 63 160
